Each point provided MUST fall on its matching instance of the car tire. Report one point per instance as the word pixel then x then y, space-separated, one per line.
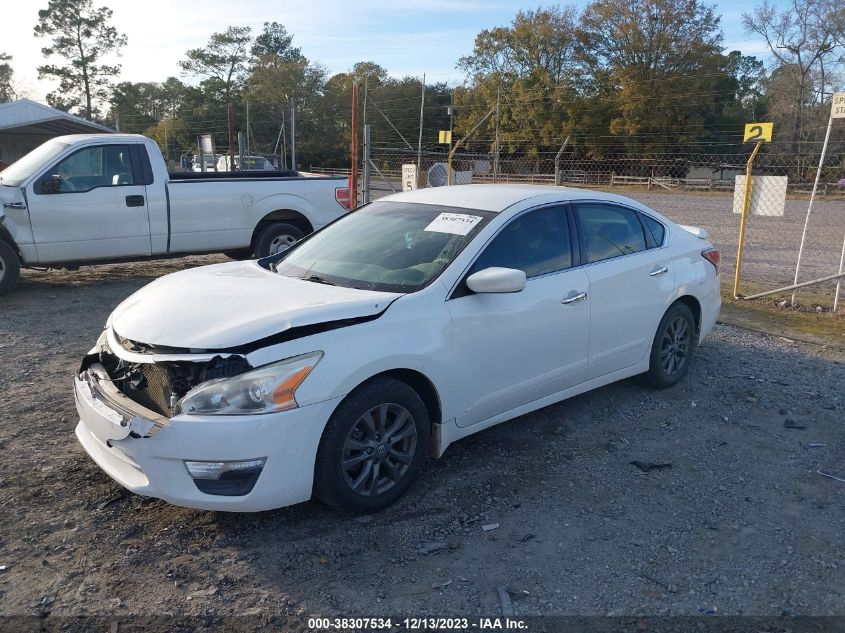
pixel 674 345
pixel 10 267
pixel 275 238
pixel 352 449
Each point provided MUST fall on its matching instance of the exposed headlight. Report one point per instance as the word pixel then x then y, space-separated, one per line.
pixel 263 390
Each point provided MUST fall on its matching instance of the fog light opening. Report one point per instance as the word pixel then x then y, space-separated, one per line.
pixel 231 478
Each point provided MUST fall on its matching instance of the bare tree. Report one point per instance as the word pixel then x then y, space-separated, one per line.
pixel 802 36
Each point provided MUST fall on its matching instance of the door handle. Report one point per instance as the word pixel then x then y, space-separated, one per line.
pixel 134 201
pixel 658 271
pixel 574 297
pixel 14 205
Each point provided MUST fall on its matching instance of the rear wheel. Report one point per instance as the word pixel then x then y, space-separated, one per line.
pixel 372 448
pixel 673 347
pixel 275 238
pixel 10 267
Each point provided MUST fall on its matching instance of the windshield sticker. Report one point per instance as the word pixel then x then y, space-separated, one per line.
pixel 455 223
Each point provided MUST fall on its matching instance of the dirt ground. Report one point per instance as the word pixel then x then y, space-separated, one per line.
pixel 741 523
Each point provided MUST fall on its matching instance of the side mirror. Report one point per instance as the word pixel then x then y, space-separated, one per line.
pixel 52 184
pixel 497 280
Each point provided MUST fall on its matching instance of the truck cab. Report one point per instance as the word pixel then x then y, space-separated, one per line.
pixel 108 197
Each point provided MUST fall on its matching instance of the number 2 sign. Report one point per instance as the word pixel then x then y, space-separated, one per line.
pixel 757 132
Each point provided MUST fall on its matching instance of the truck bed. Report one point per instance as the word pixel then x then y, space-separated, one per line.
pixel 230 175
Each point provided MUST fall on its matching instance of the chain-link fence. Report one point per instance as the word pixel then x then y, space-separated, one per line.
pixel 693 189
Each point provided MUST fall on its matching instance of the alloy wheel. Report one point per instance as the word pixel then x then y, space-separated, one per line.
pixel 675 345
pixel 379 449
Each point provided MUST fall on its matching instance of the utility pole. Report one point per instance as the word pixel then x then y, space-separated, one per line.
pixel 364 111
pixel 284 141
pixel 353 176
pixel 293 134
pixel 496 155
pixel 247 128
pixel 419 142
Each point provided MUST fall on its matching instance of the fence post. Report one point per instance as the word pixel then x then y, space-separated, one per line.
pixel 557 161
pixel 746 207
pixel 839 281
pixel 353 175
pixel 366 169
pixel 812 198
pixel 458 144
pixel 612 178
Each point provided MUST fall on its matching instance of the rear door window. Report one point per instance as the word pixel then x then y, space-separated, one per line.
pixel 609 231
pixel 658 231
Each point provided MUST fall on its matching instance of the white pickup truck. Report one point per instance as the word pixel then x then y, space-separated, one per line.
pixel 99 198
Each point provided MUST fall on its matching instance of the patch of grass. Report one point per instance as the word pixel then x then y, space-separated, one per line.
pixel 802 322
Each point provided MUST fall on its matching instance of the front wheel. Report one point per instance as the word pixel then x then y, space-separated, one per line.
pixel 10 267
pixel 275 238
pixel 372 447
pixel 673 347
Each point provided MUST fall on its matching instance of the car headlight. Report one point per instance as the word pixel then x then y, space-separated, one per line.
pixel 263 390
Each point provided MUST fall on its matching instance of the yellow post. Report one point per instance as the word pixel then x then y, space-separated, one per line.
pixel 449 162
pixel 746 207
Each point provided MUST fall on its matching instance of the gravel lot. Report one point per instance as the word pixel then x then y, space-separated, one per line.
pixel 771 242
pixel 741 523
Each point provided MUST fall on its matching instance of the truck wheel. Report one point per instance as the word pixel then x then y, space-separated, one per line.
pixel 276 238
pixel 10 267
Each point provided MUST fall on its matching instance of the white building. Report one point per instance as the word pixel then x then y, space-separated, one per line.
pixel 25 124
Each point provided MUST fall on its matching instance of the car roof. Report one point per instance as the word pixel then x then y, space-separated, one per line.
pixel 497 198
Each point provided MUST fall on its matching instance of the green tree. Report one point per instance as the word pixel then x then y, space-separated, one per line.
pixel 83 37
pixel 529 68
pixel 7 89
pixel 276 41
pixel 222 63
pixel 271 90
pixel 136 106
pixel 663 61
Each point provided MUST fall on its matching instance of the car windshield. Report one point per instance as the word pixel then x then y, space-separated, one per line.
pixel 386 246
pixel 18 172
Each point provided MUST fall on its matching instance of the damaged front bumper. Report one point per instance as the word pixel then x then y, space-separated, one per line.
pixel 160 456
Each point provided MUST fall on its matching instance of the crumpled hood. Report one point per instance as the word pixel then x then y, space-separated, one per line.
pixel 231 304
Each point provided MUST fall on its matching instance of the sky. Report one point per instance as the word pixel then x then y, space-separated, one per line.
pixel 408 37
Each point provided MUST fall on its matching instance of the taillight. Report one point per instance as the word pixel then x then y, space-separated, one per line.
pixel 713 256
pixel 342 195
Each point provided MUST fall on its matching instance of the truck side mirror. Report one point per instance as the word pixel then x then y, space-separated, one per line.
pixel 52 184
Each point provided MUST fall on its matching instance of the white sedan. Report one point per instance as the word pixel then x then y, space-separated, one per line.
pixel 335 369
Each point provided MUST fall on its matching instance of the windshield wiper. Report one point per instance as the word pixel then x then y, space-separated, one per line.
pixel 319 280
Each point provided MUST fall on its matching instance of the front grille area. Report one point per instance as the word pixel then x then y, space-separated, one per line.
pixel 158 386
